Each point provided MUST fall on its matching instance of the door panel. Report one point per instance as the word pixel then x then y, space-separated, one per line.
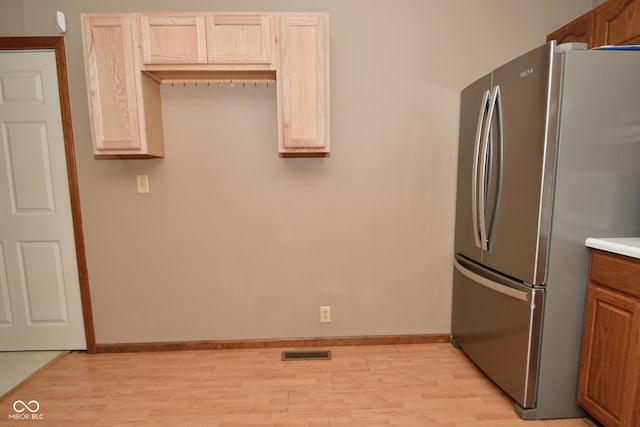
pixel 40 305
pixel 520 227
pixel 42 283
pixel 470 107
pixel 28 171
pixel 497 324
pixel 5 304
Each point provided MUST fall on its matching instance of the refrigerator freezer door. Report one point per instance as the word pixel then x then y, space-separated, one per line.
pixel 497 322
pixel 520 224
pixel 473 109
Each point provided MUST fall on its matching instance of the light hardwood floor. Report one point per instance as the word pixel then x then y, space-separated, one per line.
pixel 368 386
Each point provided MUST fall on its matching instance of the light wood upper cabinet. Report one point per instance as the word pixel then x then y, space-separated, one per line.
pixel 173 39
pixel 127 56
pixel 240 38
pixel 124 104
pixel 233 38
pixel 303 83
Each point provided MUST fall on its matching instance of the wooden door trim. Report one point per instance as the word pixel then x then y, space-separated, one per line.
pixel 57 44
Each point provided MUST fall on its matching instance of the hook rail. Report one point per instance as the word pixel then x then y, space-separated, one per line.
pixel 218 82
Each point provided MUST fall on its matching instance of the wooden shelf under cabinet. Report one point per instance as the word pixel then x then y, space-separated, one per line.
pixel 609 385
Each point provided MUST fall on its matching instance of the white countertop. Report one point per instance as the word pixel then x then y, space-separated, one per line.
pixel 628 246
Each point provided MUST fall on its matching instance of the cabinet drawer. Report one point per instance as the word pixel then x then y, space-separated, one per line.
pixel 616 272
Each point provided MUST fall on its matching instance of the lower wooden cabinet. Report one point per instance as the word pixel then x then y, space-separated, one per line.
pixel 609 387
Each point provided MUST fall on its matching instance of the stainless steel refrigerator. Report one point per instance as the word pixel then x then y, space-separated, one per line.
pixel 549 154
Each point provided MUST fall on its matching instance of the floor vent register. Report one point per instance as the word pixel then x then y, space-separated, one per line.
pixel 306 355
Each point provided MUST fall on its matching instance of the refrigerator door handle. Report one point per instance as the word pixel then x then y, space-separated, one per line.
pixel 483 176
pixel 497 100
pixel 503 289
pixel 476 160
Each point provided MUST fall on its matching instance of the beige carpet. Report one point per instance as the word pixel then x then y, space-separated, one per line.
pixel 17 366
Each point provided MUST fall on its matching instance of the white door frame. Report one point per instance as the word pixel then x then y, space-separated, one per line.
pixel 57 44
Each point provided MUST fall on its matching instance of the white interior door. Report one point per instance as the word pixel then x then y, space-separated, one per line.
pixel 40 304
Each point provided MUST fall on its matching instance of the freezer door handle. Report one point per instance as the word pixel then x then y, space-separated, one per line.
pixel 503 289
pixel 484 106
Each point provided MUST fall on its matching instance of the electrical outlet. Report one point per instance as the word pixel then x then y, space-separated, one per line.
pixel 325 314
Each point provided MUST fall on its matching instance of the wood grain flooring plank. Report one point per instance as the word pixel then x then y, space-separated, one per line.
pixel 374 386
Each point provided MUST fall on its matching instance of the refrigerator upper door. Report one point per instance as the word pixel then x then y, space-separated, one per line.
pixel 521 166
pixel 474 106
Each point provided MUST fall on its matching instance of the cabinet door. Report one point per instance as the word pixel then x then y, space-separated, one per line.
pixel 617 22
pixel 303 83
pixel 173 39
pixel 109 62
pixel 609 369
pixel 578 30
pixel 239 38
pixel 124 104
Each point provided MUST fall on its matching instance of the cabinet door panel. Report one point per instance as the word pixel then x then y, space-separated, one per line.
pixel 239 39
pixel 617 22
pixel 304 83
pixel 609 371
pixel 108 43
pixel 173 39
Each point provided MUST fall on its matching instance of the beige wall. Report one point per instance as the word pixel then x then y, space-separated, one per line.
pixel 235 242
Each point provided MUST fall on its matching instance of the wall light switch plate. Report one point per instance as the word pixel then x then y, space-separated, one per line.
pixel 142 183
